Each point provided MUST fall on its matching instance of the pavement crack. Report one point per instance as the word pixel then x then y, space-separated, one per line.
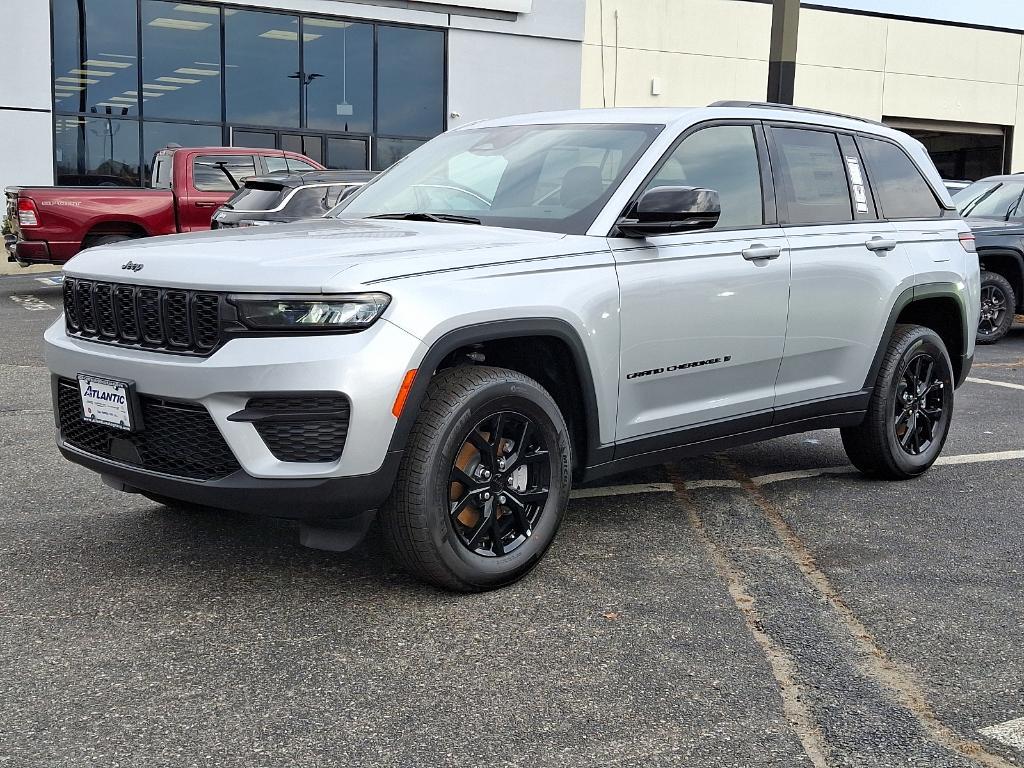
pixel 799 715
pixel 876 663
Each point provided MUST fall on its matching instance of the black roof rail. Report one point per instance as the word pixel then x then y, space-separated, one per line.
pixel 791 108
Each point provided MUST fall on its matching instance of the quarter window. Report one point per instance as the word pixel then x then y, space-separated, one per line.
pixel 902 190
pixel 211 173
pixel 722 158
pixel 810 177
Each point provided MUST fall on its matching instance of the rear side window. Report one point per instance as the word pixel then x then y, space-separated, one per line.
pixel 210 172
pixel 902 191
pixel 722 158
pixel 810 177
pixel 310 202
pixel 299 166
pixel 256 197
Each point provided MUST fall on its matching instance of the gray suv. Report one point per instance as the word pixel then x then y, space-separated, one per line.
pixel 521 304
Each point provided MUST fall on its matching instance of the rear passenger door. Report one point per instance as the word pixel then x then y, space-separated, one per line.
pixel 847 265
pixel 703 314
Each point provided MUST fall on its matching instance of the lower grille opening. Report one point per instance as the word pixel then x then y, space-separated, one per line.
pixel 301 428
pixel 177 438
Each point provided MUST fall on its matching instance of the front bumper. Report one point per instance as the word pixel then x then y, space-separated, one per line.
pixel 366 367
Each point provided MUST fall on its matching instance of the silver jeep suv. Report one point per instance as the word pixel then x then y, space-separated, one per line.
pixel 524 303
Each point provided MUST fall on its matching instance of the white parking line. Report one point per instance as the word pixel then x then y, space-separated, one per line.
pixel 1010 733
pixel 779 477
pixel 1006 384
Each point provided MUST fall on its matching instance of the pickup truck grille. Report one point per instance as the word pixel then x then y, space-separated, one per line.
pixel 160 319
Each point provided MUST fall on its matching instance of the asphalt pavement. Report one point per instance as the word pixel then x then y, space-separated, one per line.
pixel 762 607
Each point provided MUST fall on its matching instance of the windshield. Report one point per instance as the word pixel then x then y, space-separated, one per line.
pixel 553 178
pixel 991 199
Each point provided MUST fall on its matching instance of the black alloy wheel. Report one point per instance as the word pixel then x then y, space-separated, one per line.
pixel 910 410
pixel 993 309
pixel 484 481
pixel 919 408
pixel 499 484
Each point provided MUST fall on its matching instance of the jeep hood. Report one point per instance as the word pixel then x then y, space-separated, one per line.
pixel 308 256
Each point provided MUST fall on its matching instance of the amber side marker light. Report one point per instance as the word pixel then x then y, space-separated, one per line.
pixel 403 393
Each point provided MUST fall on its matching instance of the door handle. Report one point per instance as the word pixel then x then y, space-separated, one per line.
pixel 201 204
pixel 758 252
pixel 880 244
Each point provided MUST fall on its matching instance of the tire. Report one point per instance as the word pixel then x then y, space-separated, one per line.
pixel 469 536
pixel 998 304
pixel 108 239
pixel 903 434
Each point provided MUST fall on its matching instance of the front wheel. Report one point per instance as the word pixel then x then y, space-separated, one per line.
pixel 484 481
pixel 910 411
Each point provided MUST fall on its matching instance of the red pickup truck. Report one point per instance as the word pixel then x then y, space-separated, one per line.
pixel 52 224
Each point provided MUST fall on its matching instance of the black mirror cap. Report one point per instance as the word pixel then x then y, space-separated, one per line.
pixel 668 210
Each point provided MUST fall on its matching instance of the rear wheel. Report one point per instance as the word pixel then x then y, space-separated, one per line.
pixel 484 482
pixel 910 411
pixel 97 240
pixel 998 304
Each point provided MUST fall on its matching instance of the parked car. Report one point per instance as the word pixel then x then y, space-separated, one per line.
pixel 993 209
pixel 519 304
pixel 281 198
pixel 52 224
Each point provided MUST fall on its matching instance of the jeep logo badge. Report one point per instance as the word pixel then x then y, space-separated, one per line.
pixel 132 266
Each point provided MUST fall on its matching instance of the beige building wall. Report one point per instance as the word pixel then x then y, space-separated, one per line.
pixel 875 67
pixel 693 52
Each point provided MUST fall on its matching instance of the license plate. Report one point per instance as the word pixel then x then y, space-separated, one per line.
pixel 106 401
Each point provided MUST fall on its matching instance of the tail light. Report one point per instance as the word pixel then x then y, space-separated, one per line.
pixel 28 216
pixel 967 241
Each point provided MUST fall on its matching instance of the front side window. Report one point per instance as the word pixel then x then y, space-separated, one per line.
pixel 553 178
pixel 991 200
pixel 810 177
pixel 722 158
pixel 213 173
pixel 902 191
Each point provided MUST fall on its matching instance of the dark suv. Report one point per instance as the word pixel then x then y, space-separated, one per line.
pixel 281 198
pixel 994 210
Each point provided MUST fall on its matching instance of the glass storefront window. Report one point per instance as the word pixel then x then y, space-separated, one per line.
pixel 346 154
pixel 95 57
pixel 338 59
pixel 135 75
pixel 97 151
pixel 262 68
pixel 390 151
pixel 181 68
pixel 410 81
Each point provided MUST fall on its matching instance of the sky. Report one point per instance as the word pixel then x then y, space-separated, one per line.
pixel 992 13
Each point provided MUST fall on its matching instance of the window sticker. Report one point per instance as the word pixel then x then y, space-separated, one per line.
pixel 857 178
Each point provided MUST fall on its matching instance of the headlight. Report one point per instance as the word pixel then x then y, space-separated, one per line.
pixel 310 313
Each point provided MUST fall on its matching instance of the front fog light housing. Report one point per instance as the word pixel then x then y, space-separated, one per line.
pixel 310 313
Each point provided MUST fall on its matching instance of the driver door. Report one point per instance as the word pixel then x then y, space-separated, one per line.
pixel 703 314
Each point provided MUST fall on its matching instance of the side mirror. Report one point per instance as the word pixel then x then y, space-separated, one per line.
pixel 669 210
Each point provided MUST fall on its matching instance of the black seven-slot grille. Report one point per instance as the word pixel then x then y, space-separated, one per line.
pixel 176 438
pixel 304 428
pixel 165 319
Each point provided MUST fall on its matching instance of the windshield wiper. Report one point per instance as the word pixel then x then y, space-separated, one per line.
pixel 451 218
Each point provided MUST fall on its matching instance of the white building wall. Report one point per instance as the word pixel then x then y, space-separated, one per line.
pixel 26 125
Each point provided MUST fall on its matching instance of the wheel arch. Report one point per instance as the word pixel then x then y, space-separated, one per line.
pixel 1010 264
pixel 939 306
pixel 500 343
pixel 103 228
